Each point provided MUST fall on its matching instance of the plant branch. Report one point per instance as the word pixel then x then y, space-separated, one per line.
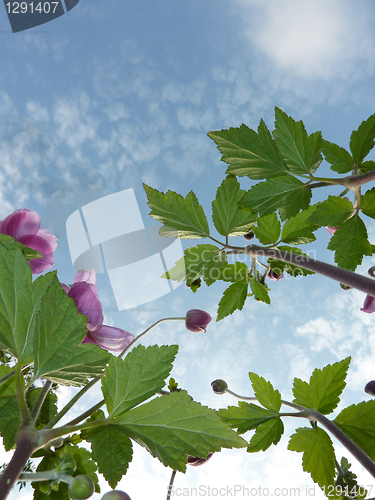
pixel 355 181
pixel 40 400
pixel 20 393
pixel 253 398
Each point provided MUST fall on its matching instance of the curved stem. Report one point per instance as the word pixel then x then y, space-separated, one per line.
pixel 171 484
pixel 362 283
pixel 40 400
pixel 253 398
pixel 20 393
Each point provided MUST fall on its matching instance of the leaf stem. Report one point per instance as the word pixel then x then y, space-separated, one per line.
pixel 171 484
pixel 253 398
pixel 40 400
pixel 20 393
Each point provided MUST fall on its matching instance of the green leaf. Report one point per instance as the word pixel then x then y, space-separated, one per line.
pixel 182 217
pixel 9 410
pixel 127 382
pixel 340 159
pixel 298 230
pixel 366 166
pixel 362 140
pixel 249 153
pixel 293 269
pixel 265 393
pixel 10 243
pixel 368 203
pixel 65 455
pixel 234 272
pixel 234 297
pixel 230 219
pixel 49 407
pixel 350 243
pixel 246 416
pixel 323 391
pixel 59 331
pixel 358 423
pixel 259 290
pixel 318 454
pixel 331 212
pixel 205 261
pixel 173 426
pixel 302 153
pixel 268 229
pixel 265 435
pixel 112 450
pixel 286 194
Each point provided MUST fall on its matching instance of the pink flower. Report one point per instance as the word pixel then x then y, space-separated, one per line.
pixel 24 226
pixel 197 320
pixel 368 304
pixel 85 294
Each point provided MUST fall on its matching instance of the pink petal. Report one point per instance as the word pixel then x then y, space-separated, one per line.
pixel 109 337
pixel 87 276
pixel 66 288
pixel 332 230
pixel 48 236
pixel 39 244
pixel 20 223
pixel 86 298
pixel 368 304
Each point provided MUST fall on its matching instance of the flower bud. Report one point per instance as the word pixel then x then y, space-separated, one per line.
pixel 197 320
pixel 370 388
pixel 371 272
pixel 345 287
pixel 116 495
pixel 219 386
pixel 368 304
pixel 273 275
pixel 249 236
pixel 197 461
pixel 81 488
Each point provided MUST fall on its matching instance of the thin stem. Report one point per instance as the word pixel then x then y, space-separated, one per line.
pixel 48 475
pixel 40 400
pixel 362 458
pixel 350 278
pixel 171 484
pixel 20 393
pixel 126 350
pixel 253 398
pixel 45 436
pixel 87 413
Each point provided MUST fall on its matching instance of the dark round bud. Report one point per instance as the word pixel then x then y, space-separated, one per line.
pixel 116 495
pixel 249 236
pixel 219 386
pixel 371 272
pixel 370 388
pixel 345 287
pixel 197 461
pixel 81 488
pixel 188 285
pixel 257 299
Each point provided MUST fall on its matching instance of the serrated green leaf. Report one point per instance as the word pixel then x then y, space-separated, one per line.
pixel 293 269
pixel 298 230
pixel 350 243
pixel 366 166
pixel 265 393
pixel 265 435
pixel 228 217
pixel 246 416
pixel 199 261
pixel 368 203
pixel 259 290
pixel 362 140
pixel 331 212
pixel 234 272
pixel 340 159
pixel 112 450
pixel 182 217
pixel 286 194
pixel 268 229
pixel 234 298
pixel 173 426
pixel 318 454
pixel 249 153
pixel 302 153
pixel 9 410
pixel 48 409
pixel 127 382
pixel 59 331
pixel 323 391
pixel 358 423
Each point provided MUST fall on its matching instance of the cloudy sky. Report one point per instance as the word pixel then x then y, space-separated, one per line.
pixel 117 93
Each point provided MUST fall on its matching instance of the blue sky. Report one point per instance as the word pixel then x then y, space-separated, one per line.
pixel 118 93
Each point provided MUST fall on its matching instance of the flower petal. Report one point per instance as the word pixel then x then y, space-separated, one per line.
pixel 39 244
pixel 197 320
pixel 109 337
pixel 87 276
pixel 86 298
pixel 20 223
pixel 368 304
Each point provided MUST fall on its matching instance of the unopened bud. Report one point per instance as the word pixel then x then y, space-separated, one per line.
pixel 273 275
pixel 345 287
pixel 370 388
pixel 196 461
pixel 219 386
pixel 116 495
pixel 371 272
pixel 81 488
pixel 249 236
